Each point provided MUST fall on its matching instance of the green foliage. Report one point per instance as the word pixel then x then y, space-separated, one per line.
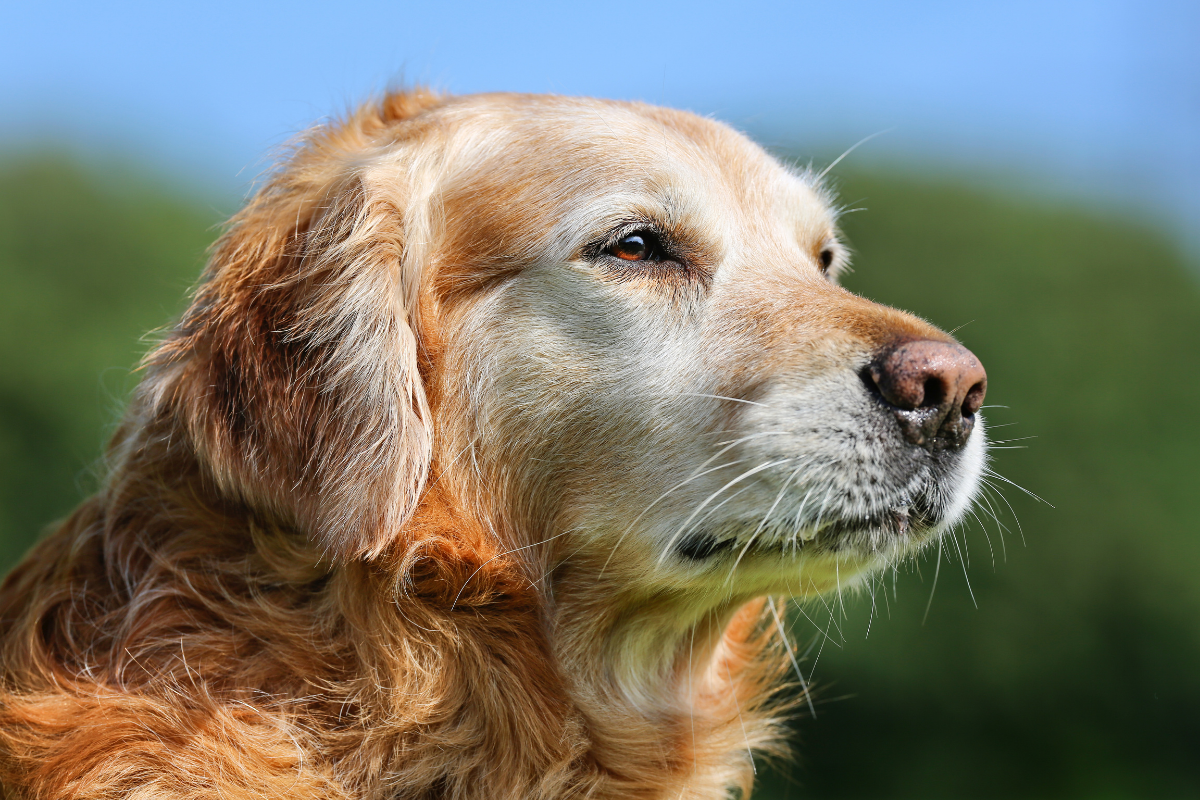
pixel 90 261
pixel 1077 674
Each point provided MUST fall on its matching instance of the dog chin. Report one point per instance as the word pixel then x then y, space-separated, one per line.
pixel 839 557
pixel 884 535
pixel 846 546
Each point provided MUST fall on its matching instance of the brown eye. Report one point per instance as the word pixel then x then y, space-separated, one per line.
pixel 637 246
pixel 826 260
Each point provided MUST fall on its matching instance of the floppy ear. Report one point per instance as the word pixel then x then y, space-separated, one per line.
pixel 294 371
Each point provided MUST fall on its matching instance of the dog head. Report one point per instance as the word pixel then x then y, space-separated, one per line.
pixel 613 331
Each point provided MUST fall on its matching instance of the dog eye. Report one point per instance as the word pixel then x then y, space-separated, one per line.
pixel 637 246
pixel 826 260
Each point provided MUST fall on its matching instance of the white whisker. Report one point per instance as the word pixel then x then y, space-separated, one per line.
pixel 1000 477
pixel 766 517
pixel 936 571
pixel 664 495
pixel 832 618
pixel 954 538
pixel 849 150
pixel 795 664
pixel 748 473
pixel 714 397
pixel 1020 531
pixel 871 616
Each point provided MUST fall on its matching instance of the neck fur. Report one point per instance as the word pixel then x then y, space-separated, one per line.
pixel 654 694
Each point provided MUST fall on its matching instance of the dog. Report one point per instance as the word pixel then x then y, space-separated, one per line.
pixel 490 428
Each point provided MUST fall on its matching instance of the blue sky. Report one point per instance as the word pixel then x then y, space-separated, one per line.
pixel 1100 99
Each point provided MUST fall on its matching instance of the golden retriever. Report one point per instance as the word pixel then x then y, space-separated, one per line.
pixel 490 426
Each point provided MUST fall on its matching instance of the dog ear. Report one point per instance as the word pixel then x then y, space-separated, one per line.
pixel 295 370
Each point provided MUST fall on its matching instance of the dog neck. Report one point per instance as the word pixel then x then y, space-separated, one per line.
pixel 668 673
pixel 650 693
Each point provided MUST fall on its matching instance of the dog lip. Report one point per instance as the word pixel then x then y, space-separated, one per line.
pixel 900 521
pixel 701 546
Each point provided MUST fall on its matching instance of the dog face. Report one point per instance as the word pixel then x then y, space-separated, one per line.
pixel 659 370
pixel 613 330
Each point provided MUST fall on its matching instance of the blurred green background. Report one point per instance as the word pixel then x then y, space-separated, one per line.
pixel 1075 670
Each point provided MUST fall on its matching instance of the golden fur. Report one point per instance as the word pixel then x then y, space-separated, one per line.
pixel 392 510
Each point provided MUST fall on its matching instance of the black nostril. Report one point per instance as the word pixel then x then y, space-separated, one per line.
pixel 974 399
pixel 934 393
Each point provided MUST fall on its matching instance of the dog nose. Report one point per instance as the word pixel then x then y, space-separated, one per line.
pixel 933 389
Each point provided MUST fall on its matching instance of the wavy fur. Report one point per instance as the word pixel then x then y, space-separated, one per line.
pixel 348 548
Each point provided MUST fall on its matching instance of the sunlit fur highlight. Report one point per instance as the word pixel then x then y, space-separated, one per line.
pixel 331 559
